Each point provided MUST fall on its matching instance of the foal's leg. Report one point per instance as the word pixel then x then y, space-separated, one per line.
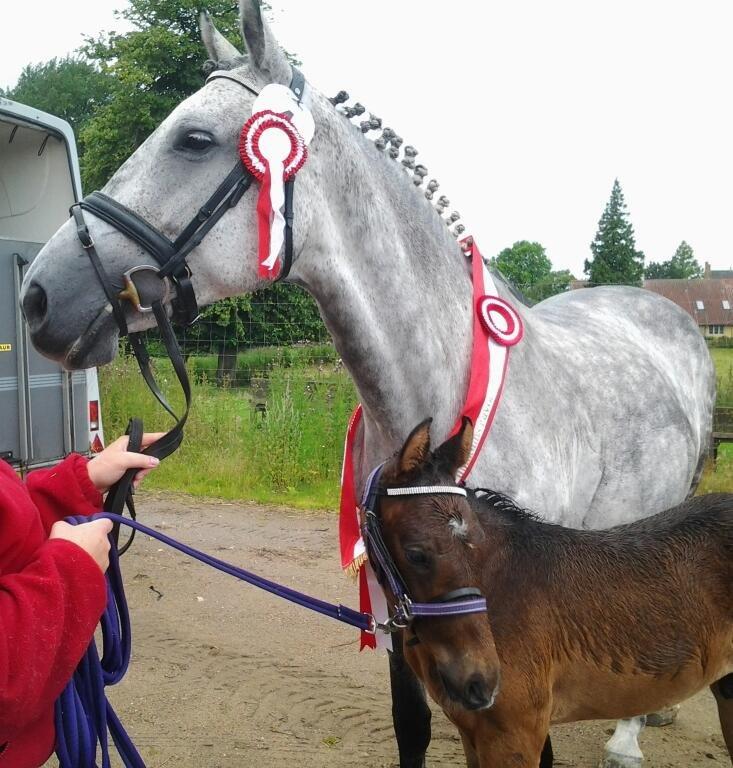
pixel 410 712
pixel 723 692
pixel 547 757
pixel 470 752
pixel 622 749
pixel 512 745
pixel 663 717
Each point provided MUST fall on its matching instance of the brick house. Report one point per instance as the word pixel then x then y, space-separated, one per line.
pixel 708 300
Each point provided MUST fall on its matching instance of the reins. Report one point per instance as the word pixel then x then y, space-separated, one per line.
pixel 172 269
pixel 83 714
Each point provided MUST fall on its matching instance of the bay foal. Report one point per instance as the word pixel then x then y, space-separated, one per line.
pixel 580 624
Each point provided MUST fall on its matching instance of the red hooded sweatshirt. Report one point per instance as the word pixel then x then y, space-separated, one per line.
pixel 52 594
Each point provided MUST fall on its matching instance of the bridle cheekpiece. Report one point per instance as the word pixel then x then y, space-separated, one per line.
pixel 170 255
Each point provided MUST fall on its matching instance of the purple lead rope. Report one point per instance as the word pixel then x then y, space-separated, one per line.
pixel 83 714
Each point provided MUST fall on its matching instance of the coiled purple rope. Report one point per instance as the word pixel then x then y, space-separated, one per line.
pixel 83 714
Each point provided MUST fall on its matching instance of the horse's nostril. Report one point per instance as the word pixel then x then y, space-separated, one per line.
pixel 35 306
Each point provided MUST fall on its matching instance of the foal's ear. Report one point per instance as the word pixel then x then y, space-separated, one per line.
pixel 454 452
pixel 265 54
pixel 416 449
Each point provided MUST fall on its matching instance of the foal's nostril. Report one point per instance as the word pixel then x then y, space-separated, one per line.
pixel 477 694
pixel 35 306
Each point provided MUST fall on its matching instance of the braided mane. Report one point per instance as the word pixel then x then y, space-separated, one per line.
pixel 391 143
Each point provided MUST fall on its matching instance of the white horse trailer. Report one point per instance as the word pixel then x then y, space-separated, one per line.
pixel 45 411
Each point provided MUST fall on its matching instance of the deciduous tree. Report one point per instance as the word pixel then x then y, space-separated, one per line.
pixel 528 268
pixel 155 66
pixel 70 88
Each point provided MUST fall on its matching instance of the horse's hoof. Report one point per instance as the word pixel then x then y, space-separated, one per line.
pixel 615 760
pixel 663 717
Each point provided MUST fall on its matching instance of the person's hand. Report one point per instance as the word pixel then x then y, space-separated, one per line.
pixel 91 537
pixel 107 467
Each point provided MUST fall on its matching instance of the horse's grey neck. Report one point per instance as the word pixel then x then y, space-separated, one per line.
pixel 394 291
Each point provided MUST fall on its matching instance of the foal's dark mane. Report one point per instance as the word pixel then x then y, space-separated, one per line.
pixel 502 503
pixel 685 524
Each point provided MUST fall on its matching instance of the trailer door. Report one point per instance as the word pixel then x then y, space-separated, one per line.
pixel 43 408
pixel 12 438
pixel 40 404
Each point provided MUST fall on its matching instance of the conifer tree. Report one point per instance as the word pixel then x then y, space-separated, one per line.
pixel 615 258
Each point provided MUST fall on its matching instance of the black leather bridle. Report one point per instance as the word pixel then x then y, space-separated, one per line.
pixel 171 268
pixel 171 255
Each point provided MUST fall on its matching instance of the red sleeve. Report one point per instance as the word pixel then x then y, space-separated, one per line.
pixel 64 490
pixel 48 613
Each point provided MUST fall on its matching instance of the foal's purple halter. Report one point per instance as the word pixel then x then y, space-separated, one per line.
pixel 457 602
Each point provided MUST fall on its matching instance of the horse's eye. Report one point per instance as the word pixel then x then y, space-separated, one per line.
pixel 197 141
pixel 416 556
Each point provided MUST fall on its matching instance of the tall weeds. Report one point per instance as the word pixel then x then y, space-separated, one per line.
pixel 280 443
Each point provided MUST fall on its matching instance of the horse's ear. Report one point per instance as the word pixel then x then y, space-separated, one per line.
pixel 416 449
pixel 220 50
pixel 454 452
pixel 265 55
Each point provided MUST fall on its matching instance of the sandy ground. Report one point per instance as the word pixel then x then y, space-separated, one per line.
pixel 225 675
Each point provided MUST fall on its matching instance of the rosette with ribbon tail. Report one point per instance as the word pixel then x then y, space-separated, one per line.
pixel 273 151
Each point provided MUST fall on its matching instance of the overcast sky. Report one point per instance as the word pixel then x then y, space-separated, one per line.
pixel 525 111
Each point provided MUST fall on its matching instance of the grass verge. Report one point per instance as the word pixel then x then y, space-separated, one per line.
pixel 289 453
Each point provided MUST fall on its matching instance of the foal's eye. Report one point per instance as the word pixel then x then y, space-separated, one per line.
pixel 197 141
pixel 416 556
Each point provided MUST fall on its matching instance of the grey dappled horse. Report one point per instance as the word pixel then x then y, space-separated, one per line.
pixel 608 400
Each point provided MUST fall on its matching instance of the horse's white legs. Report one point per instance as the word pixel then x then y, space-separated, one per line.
pixel 622 749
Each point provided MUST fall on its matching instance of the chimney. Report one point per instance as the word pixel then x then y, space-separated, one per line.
pixel 707 270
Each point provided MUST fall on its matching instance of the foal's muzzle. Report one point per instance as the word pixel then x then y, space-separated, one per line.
pixel 474 693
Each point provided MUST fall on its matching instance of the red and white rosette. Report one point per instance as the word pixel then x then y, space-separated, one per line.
pixel 501 320
pixel 273 151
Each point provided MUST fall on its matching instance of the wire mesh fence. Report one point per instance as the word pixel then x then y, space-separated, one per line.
pixel 271 401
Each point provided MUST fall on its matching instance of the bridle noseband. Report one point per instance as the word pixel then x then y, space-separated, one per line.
pixel 457 602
